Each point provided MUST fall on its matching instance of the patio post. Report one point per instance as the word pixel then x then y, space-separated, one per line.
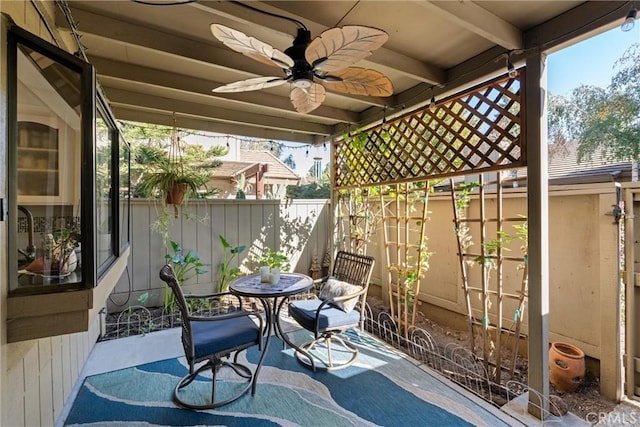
pixel 535 133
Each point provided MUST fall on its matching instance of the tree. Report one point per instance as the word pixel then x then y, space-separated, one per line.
pixel 605 120
pixel 150 147
pixel 560 120
pixel 289 161
pixel 320 189
pixel 262 145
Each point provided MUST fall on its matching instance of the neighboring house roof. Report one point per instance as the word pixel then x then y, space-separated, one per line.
pixel 277 168
pixel 563 165
pixel 565 169
pixel 277 172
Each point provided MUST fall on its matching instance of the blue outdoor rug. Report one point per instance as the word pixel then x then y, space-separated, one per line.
pixel 381 389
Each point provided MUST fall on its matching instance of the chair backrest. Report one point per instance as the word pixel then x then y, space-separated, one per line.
pixel 169 277
pixel 354 269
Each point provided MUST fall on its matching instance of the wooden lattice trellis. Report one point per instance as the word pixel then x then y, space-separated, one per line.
pixel 476 131
pixel 405 213
pixel 490 320
pixel 479 130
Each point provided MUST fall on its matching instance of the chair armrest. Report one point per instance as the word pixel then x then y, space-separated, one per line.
pixel 346 297
pixel 322 279
pixel 318 282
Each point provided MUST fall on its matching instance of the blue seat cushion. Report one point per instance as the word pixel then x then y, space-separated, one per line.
pixel 211 337
pixel 331 317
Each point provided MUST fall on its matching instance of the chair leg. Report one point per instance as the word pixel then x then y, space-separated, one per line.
pixel 254 383
pixel 304 353
pixel 239 369
pixel 214 371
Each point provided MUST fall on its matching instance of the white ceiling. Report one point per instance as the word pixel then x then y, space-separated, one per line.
pixel 154 61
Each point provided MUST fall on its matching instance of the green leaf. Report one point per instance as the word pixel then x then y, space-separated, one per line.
pixel 143 297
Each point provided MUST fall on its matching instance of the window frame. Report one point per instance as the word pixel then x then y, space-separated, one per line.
pixel 17 36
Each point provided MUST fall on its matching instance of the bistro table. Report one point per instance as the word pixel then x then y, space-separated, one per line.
pixel 289 284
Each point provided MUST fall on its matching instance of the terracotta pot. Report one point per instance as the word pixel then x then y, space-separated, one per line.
pixel 176 194
pixel 566 366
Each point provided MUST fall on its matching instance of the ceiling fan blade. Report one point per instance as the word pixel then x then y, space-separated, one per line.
pixel 338 48
pixel 251 47
pixel 307 100
pixel 359 81
pixel 255 83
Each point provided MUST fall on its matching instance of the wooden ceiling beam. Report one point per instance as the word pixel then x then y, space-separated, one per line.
pixel 206 124
pixel 576 24
pixel 108 68
pixel 158 103
pixel 110 29
pixel 475 18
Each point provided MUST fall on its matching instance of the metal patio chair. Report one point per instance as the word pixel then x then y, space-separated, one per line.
pixel 339 307
pixel 213 340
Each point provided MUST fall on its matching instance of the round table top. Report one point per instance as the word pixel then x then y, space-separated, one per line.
pixel 289 284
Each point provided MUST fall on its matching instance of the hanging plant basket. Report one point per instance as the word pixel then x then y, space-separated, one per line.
pixel 174 177
pixel 175 195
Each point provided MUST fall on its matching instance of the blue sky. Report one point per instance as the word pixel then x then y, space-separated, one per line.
pixel 590 62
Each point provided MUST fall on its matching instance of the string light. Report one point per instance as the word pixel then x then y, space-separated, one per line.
pixel 384 119
pixel 432 104
pixel 630 20
pixel 513 73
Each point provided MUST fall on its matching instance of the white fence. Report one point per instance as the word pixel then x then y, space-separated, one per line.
pixel 299 228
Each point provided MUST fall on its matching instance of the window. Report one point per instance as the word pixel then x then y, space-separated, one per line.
pixel 68 224
pixel 51 99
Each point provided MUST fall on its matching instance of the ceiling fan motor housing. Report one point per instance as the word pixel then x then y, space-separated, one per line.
pixel 301 72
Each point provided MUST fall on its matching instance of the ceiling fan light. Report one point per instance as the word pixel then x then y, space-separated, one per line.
pixel 302 83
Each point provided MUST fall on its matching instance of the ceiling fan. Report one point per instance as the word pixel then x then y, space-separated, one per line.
pixel 326 59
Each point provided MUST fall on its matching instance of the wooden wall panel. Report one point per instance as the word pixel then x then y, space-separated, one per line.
pixel 37 376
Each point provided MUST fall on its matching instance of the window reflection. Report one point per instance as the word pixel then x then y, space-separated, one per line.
pixel 47 159
pixel 124 185
pixel 104 179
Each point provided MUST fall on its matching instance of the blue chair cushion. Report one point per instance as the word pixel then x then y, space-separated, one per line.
pixel 212 337
pixel 331 317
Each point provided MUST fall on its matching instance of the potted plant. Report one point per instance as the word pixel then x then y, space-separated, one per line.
pixel 175 182
pixel 274 259
pixel 59 258
pixel 178 172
